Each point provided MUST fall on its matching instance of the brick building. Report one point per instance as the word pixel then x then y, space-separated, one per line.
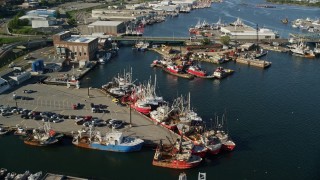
pixel 75 47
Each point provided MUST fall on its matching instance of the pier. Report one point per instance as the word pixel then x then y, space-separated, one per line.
pixel 60 99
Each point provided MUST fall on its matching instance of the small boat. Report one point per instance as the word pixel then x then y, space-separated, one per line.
pixel 285 21
pixel 4 131
pixel 113 141
pixel 35 176
pixel 20 131
pixel 105 58
pixel 220 72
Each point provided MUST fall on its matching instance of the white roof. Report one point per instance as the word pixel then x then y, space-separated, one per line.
pixel 106 23
pixel 80 39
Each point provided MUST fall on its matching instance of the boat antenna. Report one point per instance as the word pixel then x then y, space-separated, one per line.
pixel 225 119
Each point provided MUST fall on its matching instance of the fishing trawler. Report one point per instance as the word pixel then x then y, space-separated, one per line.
pixel 112 141
pixel 43 136
pixel 170 157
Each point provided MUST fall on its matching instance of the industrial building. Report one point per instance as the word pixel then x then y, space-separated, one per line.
pixel 238 30
pixel 107 27
pixel 118 15
pixel 75 47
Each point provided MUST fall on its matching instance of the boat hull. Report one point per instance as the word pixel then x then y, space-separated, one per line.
pixel 145 111
pixel 113 148
pixel 176 164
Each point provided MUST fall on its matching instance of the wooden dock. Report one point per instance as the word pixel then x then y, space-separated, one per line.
pixel 254 62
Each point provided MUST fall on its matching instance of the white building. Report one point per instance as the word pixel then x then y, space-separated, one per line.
pixel 43 23
pixel 4 85
pixel 40 20
pixel 238 30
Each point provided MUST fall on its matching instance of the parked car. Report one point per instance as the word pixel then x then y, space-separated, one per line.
pixel 57 120
pixel 115 123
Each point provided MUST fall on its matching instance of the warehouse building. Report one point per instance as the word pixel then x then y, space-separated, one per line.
pixel 107 27
pixel 75 48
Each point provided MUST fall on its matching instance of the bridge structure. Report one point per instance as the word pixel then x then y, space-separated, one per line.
pixel 181 40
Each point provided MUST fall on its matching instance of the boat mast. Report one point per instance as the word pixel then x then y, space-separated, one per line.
pixel 257 30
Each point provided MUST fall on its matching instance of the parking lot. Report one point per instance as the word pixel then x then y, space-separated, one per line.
pixel 62 101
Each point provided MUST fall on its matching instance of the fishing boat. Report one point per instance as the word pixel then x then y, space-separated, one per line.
pixel 197 71
pixel 112 141
pixel 120 85
pixel 23 176
pixel 106 57
pixel 141 106
pixel 169 157
pixel 10 176
pixel 35 176
pixel 227 143
pixel 4 131
pixel 211 142
pixel 44 136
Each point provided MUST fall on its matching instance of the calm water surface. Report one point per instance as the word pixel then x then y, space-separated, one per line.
pixel 273 114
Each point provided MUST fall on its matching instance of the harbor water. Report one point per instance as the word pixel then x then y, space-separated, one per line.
pixel 273 114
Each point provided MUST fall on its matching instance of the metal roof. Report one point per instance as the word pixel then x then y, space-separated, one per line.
pixel 106 23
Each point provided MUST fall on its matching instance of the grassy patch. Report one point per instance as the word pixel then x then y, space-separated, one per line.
pixel 8 40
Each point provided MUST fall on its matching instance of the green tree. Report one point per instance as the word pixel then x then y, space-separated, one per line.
pixel 72 22
pixel 205 41
pixel 225 40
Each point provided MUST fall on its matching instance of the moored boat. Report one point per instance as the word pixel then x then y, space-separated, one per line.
pixel 141 106
pixel 43 136
pixel 220 72
pixel 197 71
pixel 4 131
pixel 106 57
pixel 113 141
pixel 169 157
pixel 20 131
